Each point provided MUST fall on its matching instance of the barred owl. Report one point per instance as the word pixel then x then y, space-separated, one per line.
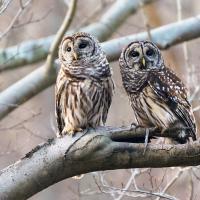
pixel 84 86
pixel 158 97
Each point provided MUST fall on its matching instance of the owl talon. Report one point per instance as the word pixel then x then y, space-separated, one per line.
pixel 74 131
pixel 58 134
pixel 70 132
pixel 78 177
pixel 134 125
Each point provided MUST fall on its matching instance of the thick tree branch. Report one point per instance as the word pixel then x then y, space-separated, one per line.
pixel 65 157
pixel 165 37
pixel 37 50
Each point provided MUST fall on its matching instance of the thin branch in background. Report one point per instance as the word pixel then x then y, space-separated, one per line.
pixel 132 193
pixel 146 23
pixel 162 179
pixel 185 46
pixel 194 94
pixel 194 173
pixel 32 21
pixel 104 182
pixel 150 178
pixel 173 180
pixel 104 187
pixel 87 19
pixel 4 5
pixel 195 109
pixel 128 184
pixel 15 19
pixel 63 28
pixel 191 185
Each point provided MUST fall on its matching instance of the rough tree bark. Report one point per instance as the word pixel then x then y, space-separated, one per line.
pixel 99 149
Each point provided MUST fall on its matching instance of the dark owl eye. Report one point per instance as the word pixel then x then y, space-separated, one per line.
pixel 69 49
pixel 134 54
pixel 82 45
pixel 149 52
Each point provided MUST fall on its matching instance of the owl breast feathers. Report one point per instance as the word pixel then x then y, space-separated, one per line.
pixel 158 97
pixel 84 86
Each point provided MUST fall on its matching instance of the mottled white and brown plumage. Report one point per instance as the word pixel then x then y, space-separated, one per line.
pixel 158 97
pixel 84 86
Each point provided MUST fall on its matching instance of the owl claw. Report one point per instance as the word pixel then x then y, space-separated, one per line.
pixel 134 125
pixel 78 177
pixel 71 131
pixel 58 134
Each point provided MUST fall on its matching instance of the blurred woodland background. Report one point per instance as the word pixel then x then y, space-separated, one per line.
pixel 33 122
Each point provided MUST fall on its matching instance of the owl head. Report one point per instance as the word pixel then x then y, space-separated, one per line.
pixel 141 56
pixel 137 60
pixel 79 47
pixel 82 57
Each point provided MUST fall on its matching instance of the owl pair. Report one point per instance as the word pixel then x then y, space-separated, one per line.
pixel 84 88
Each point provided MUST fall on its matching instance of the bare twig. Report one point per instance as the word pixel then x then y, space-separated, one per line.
pixel 191 185
pixel 194 94
pixel 90 17
pixel 4 5
pixel 15 19
pixel 146 24
pixel 104 187
pixel 144 192
pixel 184 46
pixel 173 180
pixel 195 109
pixel 63 28
pixel 31 20
pixel 128 184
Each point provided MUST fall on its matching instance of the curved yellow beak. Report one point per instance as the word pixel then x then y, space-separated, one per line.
pixel 75 56
pixel 143 62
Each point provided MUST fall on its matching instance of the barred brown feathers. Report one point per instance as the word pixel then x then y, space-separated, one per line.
pixel 84 86
pixel 158 97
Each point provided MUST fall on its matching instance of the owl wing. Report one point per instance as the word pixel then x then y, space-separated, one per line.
pixel 108 86
pixel 172 91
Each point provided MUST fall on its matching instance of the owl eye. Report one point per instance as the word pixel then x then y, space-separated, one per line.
pixel 134 53
pixel 149 52
pixel 69 49
pixel 82 45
